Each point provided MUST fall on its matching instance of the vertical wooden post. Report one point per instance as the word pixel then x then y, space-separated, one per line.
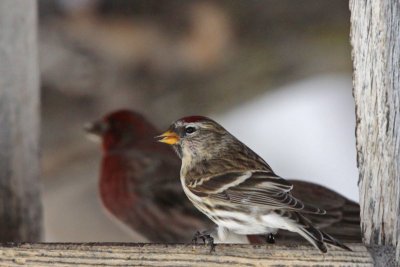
pixel 20 205
pixel 375 38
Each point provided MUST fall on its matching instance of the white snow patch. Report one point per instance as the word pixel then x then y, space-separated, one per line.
pixel 304 130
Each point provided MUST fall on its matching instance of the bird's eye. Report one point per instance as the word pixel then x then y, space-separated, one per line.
pixel 190 130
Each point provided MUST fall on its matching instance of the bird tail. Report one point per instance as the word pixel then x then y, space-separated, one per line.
pixel 316 237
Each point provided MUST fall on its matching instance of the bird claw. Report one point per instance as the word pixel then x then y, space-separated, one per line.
pixel 196 236
pixel 204 236
pixel 270 238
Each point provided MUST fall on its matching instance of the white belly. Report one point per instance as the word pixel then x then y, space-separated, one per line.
pixel 256 224
pixel 252 226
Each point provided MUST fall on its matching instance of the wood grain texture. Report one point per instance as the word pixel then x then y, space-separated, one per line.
pixel 20 207
pixel 120 254
pixel 375 38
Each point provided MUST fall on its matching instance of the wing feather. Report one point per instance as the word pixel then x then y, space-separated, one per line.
pixel 252 188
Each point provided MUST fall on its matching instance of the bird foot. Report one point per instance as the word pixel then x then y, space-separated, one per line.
pixel 205 236
pixel 270 238
pixel 196 236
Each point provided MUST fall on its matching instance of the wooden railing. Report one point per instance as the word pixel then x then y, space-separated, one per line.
pixel 133 254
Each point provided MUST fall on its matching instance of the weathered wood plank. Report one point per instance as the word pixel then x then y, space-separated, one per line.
pixel 20 206
pixel 120 254
pixel 375 38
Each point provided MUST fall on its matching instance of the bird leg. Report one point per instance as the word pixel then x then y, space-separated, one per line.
pixel 205 235
pixel 270 238
pixel 196 236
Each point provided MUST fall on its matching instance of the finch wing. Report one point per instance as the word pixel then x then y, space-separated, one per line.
pixel 342 218
pixel 148 197
pixel 156 179
pixel 251 188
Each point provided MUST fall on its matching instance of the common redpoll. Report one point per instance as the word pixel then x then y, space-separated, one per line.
pixel 235 187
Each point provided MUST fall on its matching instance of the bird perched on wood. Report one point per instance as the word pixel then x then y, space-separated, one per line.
pixel 134 164
pixel 139 180
pixel 235 187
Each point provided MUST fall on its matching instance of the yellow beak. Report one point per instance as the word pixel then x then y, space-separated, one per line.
pixel 169 138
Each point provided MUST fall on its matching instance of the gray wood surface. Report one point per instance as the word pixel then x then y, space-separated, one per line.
pixel 375 37
pixel 20 206
pixel 70 254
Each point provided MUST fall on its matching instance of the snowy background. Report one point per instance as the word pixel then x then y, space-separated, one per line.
pixel 305 131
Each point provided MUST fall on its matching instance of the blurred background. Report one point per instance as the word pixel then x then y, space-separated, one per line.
pixel 277 74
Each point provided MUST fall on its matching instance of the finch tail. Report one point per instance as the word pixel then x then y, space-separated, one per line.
pixel 334 242
pixel 316 237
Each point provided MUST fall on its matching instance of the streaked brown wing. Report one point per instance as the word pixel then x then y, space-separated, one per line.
pixel 253 188
pixel 154 202
pixel 342 218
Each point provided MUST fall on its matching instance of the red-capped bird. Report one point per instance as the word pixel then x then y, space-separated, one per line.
pixel 235 187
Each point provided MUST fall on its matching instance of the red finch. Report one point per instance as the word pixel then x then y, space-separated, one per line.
pixel 235 187
pixel 139 180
